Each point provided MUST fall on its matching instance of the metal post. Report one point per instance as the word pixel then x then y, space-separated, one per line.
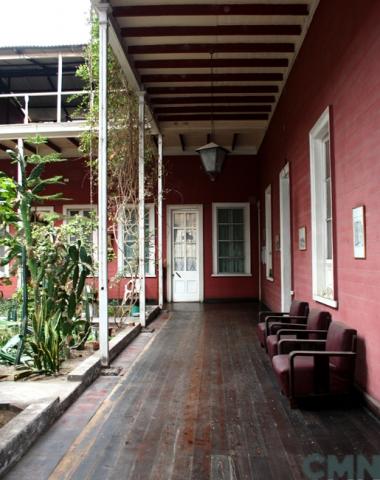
pixel 142 208
pixel 59 87
pixel 26 115
pixel 102 186
pixel 159 218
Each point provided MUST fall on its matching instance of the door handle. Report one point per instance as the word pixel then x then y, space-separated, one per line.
pixel 178 275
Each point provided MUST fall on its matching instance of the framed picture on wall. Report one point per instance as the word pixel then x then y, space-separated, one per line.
pixel 302 238
pixel 358 226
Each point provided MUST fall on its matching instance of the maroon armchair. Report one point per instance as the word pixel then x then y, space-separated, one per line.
pixel 326 369
pixel 316 328
pixel 297 314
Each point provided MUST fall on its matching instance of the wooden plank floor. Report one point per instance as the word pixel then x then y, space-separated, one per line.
pixel 202 403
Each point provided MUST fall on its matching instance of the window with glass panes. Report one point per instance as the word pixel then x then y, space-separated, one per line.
pixel 82 212
pixel 128 241
pixel 230 240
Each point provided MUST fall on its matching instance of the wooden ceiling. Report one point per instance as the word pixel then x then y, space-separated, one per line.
pixel 199 60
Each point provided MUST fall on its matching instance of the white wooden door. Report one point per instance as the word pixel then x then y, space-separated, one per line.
pixel 285 240
pixel 185 255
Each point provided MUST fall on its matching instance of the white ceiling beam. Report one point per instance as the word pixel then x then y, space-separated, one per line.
pixel 48 130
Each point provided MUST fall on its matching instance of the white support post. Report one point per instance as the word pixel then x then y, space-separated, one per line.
pixel 26 111
pixel 59 89
pixel 142 208
pixel 102 186
pixel 159 218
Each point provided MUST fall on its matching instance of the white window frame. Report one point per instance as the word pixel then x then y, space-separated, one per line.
pixel 152 243
pixel 4 270
pixel 84 207
pixel 323 273
pixel 247 239
pixel 43 209
pixel 268 234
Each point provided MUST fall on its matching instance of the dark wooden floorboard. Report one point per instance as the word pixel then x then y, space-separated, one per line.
pixel 202 403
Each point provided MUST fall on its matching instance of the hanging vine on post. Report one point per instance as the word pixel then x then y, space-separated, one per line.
pixel 122 148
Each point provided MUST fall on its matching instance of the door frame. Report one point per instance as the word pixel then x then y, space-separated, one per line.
pixel 285 243
pixel 169 210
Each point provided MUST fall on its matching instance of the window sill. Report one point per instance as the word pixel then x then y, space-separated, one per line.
pixel 270 279
pixel 147 275
pixel 231 274
pixel 326 301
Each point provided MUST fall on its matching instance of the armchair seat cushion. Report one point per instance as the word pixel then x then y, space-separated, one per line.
pixel 310 380
pixel 304 380
pixel 261 333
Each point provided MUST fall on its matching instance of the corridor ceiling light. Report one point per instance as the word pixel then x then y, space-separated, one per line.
pixel 212 154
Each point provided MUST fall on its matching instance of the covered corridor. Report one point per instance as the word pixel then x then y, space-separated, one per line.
pixel 199 402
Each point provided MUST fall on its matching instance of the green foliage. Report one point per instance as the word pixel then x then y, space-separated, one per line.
pixel 58 264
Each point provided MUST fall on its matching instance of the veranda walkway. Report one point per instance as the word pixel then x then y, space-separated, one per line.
pixel 200 402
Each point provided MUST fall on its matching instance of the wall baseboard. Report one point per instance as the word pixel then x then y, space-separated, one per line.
pixel 369 402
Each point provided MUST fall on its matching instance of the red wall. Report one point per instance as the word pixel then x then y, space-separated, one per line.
pixel 338 65
pixel 187 183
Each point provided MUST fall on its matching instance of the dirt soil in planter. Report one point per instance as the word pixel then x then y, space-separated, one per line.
pixel 7 372
pixel 7 415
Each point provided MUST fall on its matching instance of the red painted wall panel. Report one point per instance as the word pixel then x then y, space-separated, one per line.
pixel 338 65
pixel 187 183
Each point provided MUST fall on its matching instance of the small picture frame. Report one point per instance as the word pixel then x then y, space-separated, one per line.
pixel 302 238
pixel 358 227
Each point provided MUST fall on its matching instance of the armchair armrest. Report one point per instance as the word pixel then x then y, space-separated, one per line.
pixel 300 353
pixel 285 319
pixel 295 331
pixel 288 346
pixel 270 313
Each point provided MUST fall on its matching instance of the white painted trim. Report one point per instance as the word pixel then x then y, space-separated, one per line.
pixel 326 301
pixel 45 129
pixel 141 209
pixel 169 210
pixel 247 238
pixel 285 238
pixel 152 249
pixel 160 221
pixel 268 233
pixel 316 135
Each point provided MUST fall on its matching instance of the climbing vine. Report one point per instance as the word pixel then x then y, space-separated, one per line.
pixel 123 149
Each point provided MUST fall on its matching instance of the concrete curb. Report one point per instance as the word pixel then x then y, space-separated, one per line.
pixel 19 434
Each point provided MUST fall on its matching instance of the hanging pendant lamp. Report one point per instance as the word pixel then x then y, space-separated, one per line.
pixel 212 154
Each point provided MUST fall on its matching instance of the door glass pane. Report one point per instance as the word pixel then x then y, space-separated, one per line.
pixel 190 236
pixel 191 219
pixel 329 240
pixel 179 235
pixel 179 220
pixel 191 250
pixel 191 264
pixel 238 232
pixel 179 250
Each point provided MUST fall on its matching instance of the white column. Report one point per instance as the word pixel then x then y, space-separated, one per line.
pixel 159 218
pixel 102 186
pixel 59 89
pixel 142 207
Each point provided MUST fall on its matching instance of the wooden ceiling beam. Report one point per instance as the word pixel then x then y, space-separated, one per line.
pixel 213 47
pixel 215 108
pixel 211 30
pixel 30 147
pixel 216 62
pixel 216 89
pixel 224 99
pixel 53 146
pixel 216 77
pixel 207 9
pixel 74 141
pixel 3 147
pixel 207 117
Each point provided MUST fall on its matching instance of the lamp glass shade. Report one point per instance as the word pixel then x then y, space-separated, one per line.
pixel 212 156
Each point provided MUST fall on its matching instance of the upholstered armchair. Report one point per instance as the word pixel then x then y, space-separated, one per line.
pixel 327 369
pixel 297 314
pixel 315 328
